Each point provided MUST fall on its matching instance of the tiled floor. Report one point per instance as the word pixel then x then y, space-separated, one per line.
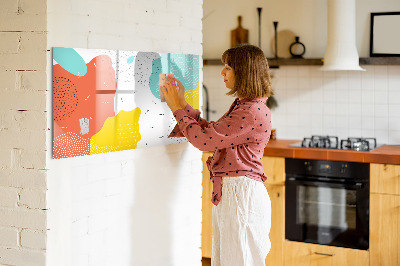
pixel 206 261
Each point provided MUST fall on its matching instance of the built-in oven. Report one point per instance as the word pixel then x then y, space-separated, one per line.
pixel 327 202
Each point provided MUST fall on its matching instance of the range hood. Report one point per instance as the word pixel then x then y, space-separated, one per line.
pixel 341 51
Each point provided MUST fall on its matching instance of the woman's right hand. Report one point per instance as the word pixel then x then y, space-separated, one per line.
pixel 181 91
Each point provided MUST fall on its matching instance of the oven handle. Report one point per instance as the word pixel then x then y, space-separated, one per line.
pixel 357 185
pixel 324 254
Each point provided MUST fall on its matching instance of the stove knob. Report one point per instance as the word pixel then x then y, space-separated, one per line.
pixel 308 166
pixel 343 168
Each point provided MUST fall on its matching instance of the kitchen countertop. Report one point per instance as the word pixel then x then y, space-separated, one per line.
pixel 389 154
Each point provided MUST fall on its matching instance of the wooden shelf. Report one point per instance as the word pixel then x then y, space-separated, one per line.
pixel 274 63
pixel 212 62
pixel 380 61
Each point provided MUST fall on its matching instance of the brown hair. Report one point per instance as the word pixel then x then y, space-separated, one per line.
pixel 250 66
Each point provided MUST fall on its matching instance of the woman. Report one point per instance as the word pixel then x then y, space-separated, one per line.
pixel 242 208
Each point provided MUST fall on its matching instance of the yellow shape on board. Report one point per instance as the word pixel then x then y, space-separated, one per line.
pixel 192 97
pixel 120 132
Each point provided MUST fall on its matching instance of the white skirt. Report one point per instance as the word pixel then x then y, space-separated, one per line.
pixel 241 223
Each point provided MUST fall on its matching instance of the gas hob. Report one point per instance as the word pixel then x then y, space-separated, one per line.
pixel 332 142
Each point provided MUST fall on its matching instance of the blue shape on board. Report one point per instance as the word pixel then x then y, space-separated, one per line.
pixel 154 78
pixel 70 60
pixel 130 59
pixel 185 67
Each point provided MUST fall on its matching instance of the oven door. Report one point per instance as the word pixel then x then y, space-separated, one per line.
pixel 327 213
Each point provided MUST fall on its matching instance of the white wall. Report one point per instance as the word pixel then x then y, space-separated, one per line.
pixel 23 132
pixel 345 103
pixel 305 18
pixel 137 207
pixel 311 102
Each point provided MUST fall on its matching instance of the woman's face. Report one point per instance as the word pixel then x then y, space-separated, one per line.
pixel 229 76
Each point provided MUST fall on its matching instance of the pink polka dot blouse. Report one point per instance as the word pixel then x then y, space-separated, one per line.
pixel 238 139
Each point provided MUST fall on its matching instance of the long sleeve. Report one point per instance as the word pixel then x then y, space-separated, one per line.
pixel 231 130
pixel 238 140
pixel 193 113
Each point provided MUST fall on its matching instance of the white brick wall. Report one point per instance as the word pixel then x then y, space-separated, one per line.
pixel 11 256
pixel 23 15
pixel 100 207
pixel 23 178
pixel 33 239
pixel 137 207
pixel 9 197
pixel 9 237
pixel 23 128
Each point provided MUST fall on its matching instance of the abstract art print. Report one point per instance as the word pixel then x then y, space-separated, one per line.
pixel 109 100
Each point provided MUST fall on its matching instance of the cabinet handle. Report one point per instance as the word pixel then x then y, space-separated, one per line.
pixel 324 254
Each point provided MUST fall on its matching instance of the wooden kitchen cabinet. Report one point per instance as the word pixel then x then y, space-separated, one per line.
pixel 277 233
pixel 385 178
pixel 305 254
pixel 384 236
pixel 274 168
pixel 206 225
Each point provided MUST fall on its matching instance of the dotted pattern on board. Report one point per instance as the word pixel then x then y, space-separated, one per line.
pixel 126 61
pixel 65 99
pixel 134 73
pixel 70 145
pixel 185 67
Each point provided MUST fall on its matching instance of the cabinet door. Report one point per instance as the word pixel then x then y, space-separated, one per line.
pixel 304 254
pixel 384 229
pixel 385 178
pixel 206 232
pixel 277 233
pixel 274 168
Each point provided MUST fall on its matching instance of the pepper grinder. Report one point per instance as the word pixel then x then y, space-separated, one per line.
pixel 276 38
pixel 259 26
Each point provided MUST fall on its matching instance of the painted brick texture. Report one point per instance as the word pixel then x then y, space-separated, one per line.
pixel 138 207
pixel 109 209
pixel 23 218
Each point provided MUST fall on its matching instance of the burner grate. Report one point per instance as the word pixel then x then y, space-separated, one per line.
pixel 358 144
pixel 327 142
pixel 332 142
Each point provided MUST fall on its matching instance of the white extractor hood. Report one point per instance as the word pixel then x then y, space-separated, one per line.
pixel 341 51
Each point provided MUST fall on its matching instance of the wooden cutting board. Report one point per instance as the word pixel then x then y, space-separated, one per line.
pixel 239 35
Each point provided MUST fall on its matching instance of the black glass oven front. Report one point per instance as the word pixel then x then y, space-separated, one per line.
pixel 327 203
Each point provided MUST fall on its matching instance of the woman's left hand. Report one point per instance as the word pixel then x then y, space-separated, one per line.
pixel 171 95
